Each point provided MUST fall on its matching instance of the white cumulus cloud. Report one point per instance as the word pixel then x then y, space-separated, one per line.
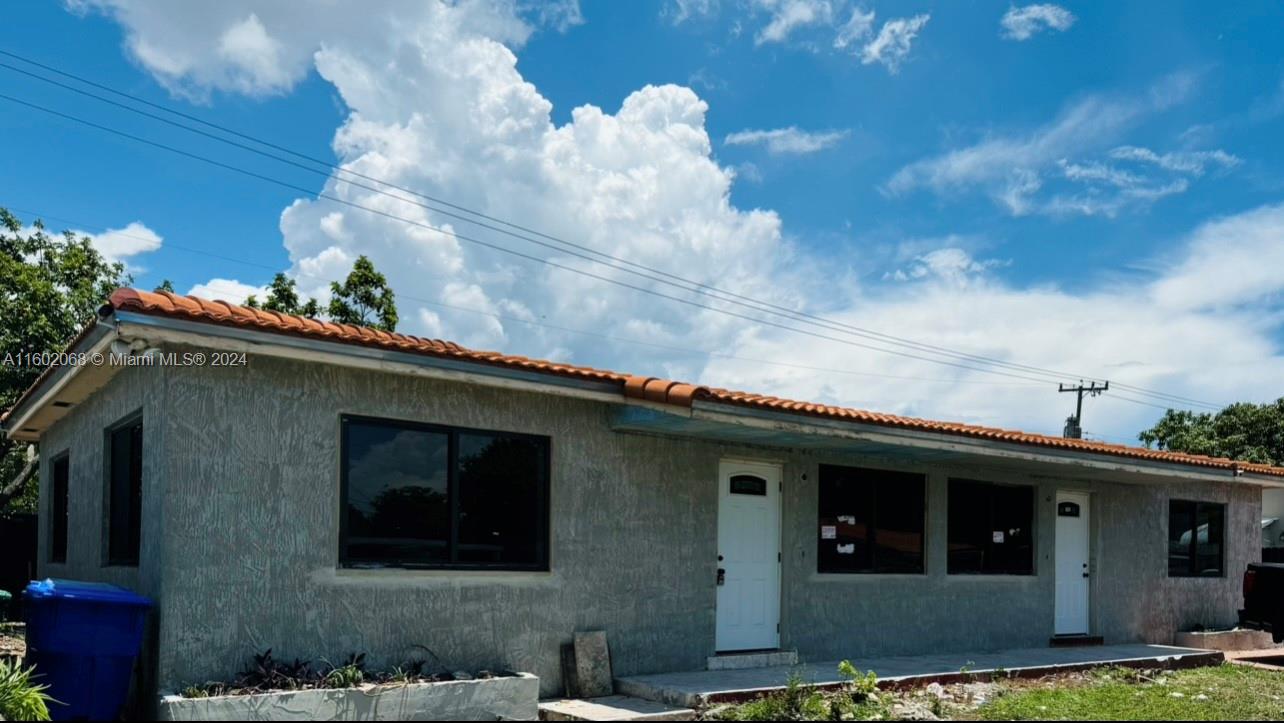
pixel 229 290
pixel 119 244
pixel 436 104
pixel 1022 23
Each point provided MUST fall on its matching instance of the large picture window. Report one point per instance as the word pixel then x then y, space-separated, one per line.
pixel 870 520
pixel 58 515
pixel 991 529
pixel 1195 539
pixel 124 492
pixel 427 496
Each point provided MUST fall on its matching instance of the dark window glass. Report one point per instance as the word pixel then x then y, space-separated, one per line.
pixel 747 484
pixel 991 528
pixel 1196 533
pixel 501 485
pixel 870 520
pixel 58 515
pixel 397 503
pixel 125 493
pixel 429 496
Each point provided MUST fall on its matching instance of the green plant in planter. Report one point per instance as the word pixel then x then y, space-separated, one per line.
pixel 348 675
pixel 20 698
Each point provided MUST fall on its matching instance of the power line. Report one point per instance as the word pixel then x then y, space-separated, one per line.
pixel 555 327
pixel 599 335
pixel 755 304
pixel 166 245
pixel 607 337
pixel 496 247
pixel 793 315
pixel 617 262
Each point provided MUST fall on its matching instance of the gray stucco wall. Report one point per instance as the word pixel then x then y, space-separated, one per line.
pixel 252 517
pixel 1132 597
pixel 241 536
pixel 82 436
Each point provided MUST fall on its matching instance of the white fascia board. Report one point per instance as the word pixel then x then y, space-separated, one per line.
pixel 96 342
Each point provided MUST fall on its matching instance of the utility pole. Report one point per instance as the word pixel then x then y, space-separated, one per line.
pixel 1074 425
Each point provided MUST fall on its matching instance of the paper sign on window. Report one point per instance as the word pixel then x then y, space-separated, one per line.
pixel 999 536
pixel 847 549
pixel 847 519
pixel 828 532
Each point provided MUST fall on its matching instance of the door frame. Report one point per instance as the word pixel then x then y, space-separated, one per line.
pixel 779 468
pixel 1089 551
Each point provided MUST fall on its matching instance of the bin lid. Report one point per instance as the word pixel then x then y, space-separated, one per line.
pixel 88 591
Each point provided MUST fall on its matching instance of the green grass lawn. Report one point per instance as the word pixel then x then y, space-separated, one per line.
pixel 1224 692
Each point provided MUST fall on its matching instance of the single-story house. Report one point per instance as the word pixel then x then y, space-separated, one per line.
pixel 318 489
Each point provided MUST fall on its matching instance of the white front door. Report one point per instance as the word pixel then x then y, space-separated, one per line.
pixel 1072 564
pixel 748 616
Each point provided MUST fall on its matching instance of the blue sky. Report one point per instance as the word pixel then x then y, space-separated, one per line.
pixel 1083 187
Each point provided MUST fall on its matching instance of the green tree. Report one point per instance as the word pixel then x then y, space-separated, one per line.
pixel 364 298
pixel 1243 431
pixel 283 297
pixel 50 287
pixel 165 285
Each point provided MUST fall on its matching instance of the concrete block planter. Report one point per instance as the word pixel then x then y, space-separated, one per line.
pixel 1225 640
pixel 511 698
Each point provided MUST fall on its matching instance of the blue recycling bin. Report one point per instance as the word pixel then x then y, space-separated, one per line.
pixel 82 637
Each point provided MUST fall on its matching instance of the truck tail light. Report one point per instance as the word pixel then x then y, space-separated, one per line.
pixel 1250 581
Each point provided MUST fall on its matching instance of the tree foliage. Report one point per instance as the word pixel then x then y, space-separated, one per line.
pixel 364 298
pixel 1243 431
pixel 50 286
pixel 283 297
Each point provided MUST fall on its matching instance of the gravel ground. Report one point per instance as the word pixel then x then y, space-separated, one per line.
pixel 13 640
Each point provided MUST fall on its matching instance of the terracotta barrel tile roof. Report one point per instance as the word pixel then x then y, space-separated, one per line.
pixel 653 389
pixel 191 308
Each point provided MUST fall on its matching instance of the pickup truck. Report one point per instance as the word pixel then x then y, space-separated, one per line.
pixel 1264 599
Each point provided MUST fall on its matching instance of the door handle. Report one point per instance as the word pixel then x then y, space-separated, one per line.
pixel 722 576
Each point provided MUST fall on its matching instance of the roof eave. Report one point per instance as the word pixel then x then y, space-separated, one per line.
pixel 716 411
pixel 93 339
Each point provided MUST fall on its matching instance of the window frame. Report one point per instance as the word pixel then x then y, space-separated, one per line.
pixel 110 559
pixel 1193 553
pixel 871 536
pixel 59 523
pixel 543 524
pixel 1033 570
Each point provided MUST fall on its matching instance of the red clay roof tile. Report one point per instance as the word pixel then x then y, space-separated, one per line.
pixel 653 389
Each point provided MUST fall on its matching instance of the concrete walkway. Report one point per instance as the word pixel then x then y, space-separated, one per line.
pixel 703 687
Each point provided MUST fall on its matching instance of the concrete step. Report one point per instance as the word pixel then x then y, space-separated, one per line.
pixel 611 708
pixel 755 659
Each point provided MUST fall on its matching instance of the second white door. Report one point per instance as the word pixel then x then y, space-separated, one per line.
pixel 1073 589
pixel 748 577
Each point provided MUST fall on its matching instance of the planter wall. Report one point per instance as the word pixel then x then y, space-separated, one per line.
pixel 512 698
pixel 1225 640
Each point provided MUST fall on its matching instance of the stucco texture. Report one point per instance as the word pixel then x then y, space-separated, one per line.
pixel 240 539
